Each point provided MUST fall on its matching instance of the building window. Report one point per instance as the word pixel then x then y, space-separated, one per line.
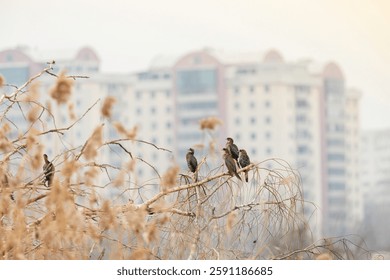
pixel 303 149
pixel 253 120
pixel 153 110
pixel 336 186
pixel 336 171
pixel 336 127
pixel 337 201
pixel 199 105
pixel 336 142
pixel 253 136
pixel 168 93
pixel 196 81
pixel 237 105
pixel 302 88
pixel 302 103
pixel 252 104
pixel 168 109
pixel 303 134
pixel 237 121
pixel 301 118
pixel 236 90
pixel 251 89
pixel 112 87
pixel 139 111
pixel 267 104
pixel 268 120
pixel 152 94
pixel 267 88
pixel 336 157
pixel 138 94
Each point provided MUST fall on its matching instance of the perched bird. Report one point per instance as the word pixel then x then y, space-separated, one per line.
pixel 232 149
pixel 192 162
pixel 230 163
pixel 48 170
pixel 244 162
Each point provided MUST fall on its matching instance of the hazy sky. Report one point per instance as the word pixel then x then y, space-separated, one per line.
pixel 127 35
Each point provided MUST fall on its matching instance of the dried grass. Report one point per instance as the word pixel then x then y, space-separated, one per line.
pixel 129 134
pixel 108 104
pixel 93 144
pixel 170 177
pixel 324 256
pixel 210 123
pixel 62 90
pixel 33 113
pixel 82 216
pixel 2 81
pixel 71 112
pixel 5 144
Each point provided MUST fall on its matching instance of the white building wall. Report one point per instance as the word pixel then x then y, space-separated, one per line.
pixel 375 186
pixel 276 114
pixel 355 214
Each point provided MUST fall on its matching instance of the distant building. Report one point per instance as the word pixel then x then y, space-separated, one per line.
pixel 300 111
pixel 20 64
pixel 342 200
pixel 375 185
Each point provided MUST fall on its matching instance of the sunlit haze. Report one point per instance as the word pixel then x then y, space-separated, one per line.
pixel 127 35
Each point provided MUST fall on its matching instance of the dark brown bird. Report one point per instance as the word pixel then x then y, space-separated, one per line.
pixel 232 149
pixel 230 163
pixel 192 162
pixel 244 162
pixel 48 170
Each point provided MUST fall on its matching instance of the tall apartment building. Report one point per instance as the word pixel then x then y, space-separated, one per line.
pixel 296 111
pixel 355 206
pixel 375 185
pixel 274 111
pixel 341 198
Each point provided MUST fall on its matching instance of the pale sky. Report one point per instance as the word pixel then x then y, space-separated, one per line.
pixel 127 35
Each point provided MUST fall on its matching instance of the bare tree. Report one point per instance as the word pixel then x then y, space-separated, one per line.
pixel 216 217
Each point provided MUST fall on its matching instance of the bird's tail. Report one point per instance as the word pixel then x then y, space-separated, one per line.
pixel 238 176
pixel 246 176
pixel 196 176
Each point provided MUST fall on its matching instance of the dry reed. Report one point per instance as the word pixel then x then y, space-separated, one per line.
pixel 82 216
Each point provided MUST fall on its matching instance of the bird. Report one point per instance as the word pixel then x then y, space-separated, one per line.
pixel 48 170
pixel 232 149
pixel 192 162
pixel 244 162
pixel 230 163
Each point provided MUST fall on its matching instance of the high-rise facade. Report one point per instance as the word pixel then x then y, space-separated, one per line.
pixel 341 194
pixel 375 185
pixel 295 111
